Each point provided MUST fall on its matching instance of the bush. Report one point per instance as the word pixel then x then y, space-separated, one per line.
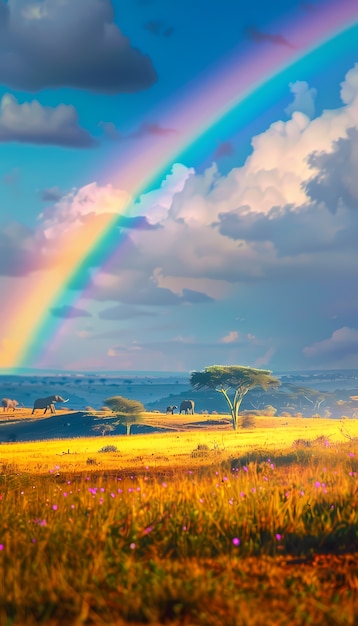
pixel 302 443
pixel 108 449
pixel 247 421
pixel 91 461
pixel 201 450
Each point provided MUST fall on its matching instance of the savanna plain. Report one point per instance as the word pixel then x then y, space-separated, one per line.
pixel 199 525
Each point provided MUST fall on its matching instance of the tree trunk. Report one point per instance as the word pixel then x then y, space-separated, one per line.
pixel 128 428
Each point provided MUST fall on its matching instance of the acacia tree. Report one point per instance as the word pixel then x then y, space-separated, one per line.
pixel 127 411
pixel 236 378
pixel 298 393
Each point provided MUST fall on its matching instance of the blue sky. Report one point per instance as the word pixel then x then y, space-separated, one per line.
pixel 246 252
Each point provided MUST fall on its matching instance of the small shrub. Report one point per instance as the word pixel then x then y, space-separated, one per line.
pixel 247 421
pixel 270 410
pixel 201 450
pixel 321 440
pixel 108 449
pixel 91 461
pixel 302 443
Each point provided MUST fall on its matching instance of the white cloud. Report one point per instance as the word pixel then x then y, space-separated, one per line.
pixel 343 342
pixel 157 203
pixel 231 337
pixel 349 87
pixel 71 211
pixel 265 358
pixel 304 99
pixel 340 348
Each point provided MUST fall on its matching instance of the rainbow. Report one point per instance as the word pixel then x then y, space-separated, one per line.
pixel 28 325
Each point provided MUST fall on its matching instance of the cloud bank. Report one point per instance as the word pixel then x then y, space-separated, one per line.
pixel 61 43
pixel 275 239
pixel 33 123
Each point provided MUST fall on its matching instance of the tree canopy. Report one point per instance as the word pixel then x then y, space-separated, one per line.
pixel 239 378
pixel 127 411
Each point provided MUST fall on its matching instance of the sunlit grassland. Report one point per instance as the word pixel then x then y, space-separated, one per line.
pixel 170 449
pixel 248 531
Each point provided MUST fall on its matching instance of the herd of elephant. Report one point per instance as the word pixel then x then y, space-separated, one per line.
pixel 40 403
pixel 49 403
pixel 187 406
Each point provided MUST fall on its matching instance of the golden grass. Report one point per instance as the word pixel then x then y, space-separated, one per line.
pixel 170 449
pixel 169 531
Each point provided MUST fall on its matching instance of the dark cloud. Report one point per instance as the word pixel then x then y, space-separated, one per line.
pixel 159 28
pixel 31 122
pixel 123 313
pixel 52 194
pixel 337 180
pixel 69 312
pixel 294 231
pixel 62 43
pixel 143 131
pixel 155 27
pixel 168 31
pixel 21 251
pixel 224 149
pixel 110 131
pixel 277 40
pixel 195 297
pixel 150 296
pixel 151 129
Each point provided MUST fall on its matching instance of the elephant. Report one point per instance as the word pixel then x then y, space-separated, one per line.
pixel 47 403
pixel 9 404
pixel 170 409
pixel 187 406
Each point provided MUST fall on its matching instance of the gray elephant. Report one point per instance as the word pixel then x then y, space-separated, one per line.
pixel 171 409
pixel 9 404
pixel 187 406
pixel 47 403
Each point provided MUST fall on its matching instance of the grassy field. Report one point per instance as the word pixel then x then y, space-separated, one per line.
pixel 200 526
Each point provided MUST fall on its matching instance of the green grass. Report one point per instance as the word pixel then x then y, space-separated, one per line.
pixel 266 539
